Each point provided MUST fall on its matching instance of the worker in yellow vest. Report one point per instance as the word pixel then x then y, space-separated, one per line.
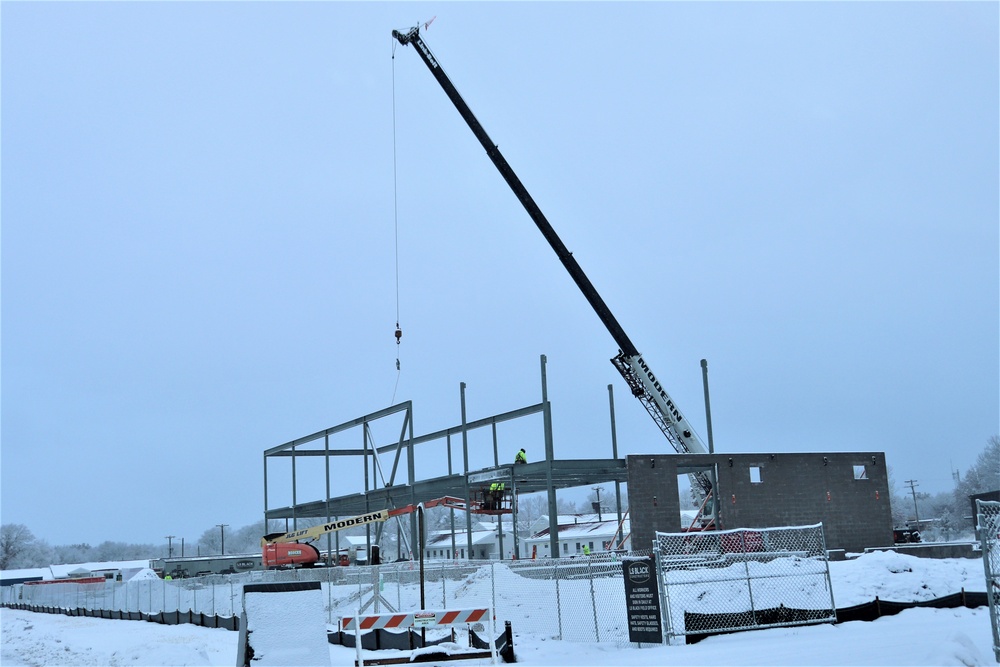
pixel 496 495
pixel 521 457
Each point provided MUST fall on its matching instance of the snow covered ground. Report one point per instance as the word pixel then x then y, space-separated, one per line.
pixel 920 636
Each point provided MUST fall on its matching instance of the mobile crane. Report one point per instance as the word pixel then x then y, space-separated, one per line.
pixel 641 380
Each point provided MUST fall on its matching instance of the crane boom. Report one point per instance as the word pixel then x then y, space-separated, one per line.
pixel 565 256
pixel 641 380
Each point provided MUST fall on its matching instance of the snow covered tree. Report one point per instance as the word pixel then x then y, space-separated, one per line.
pixel 210 542
pixel 246 540
pixel 984 475
pixel 112 551
pixel 73 553
pixel 19 548
pixel 565 506
pixel 14 538
pixel 954 513
pixel 897 502
pixel 529 508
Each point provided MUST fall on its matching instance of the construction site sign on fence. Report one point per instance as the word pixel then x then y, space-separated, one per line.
pixel 642 600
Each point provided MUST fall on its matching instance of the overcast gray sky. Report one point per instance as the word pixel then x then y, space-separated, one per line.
pixel 199 227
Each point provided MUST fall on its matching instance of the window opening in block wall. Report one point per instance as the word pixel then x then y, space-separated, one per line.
pixel 755 475
pixel 860 472
pixel 687 500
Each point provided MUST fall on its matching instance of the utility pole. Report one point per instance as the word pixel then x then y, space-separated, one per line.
pixel 913 490
pixel 222 528
pixel 170 546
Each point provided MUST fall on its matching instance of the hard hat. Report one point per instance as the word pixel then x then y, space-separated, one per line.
pixel 522 449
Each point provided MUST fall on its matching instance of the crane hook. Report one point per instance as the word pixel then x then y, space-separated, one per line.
pixel 399 333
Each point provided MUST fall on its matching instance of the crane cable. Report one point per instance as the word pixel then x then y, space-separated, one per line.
pixel 395 219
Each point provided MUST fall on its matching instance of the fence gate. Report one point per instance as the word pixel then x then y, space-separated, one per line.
pixel 743 579
pixel 988 525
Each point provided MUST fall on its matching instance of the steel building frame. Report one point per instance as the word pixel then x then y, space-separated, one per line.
pixel 547 475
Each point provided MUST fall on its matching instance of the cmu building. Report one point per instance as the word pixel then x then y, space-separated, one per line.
pixel 847 492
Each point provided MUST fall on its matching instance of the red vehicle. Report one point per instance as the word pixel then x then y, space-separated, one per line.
pixel 748 541
pixel 289 554
pixel 295 549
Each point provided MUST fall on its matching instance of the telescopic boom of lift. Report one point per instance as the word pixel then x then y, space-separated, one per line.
pixel 296 548
pixel 630 363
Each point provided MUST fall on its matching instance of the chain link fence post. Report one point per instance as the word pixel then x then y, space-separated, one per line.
pixel 666 627
pixel 593 599
pixel 329 596
pixel 558 599
pixel 746 569
pixel 399 586
pixel 988 525
pixel 493 586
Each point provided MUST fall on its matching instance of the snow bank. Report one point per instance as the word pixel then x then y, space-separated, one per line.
pixel 286 627
pixel 901 578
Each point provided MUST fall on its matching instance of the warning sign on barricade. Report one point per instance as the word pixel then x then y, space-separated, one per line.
pixel 422 619
pixel 417 618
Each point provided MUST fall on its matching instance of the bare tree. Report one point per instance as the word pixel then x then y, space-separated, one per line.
pixel 246 539
pixel 953 511
pixel 13 540
pixel 530 508
pixel 19 548
pixel 984 475
pixel 73 553
pixel 566 506
pixel 897 503
pixel 112 551
pixel 210 542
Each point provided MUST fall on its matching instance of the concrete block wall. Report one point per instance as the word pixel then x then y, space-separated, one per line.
pixel 653 503
pixel 847 492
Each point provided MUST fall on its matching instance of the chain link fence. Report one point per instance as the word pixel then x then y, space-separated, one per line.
pixel 214 595
pixel 988 527
pixel 725 581
pixel 576 599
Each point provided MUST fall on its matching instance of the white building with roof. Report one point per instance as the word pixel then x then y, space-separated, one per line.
pixel 575 534
pixel 125 570
pixel 485 543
